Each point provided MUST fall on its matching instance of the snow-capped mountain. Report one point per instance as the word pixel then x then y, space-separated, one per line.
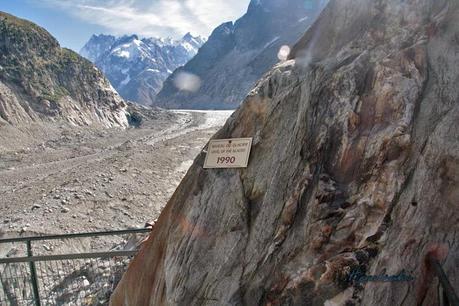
pixel 137 67
pixel 97 45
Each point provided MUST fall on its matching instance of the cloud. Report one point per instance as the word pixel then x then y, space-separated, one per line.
pixel 160 18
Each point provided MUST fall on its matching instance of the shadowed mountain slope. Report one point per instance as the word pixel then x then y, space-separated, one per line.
pixel 237 55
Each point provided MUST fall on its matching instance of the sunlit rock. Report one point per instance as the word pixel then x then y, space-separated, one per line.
pixel 354 168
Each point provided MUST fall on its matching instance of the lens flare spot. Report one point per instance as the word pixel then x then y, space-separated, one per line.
pixel 187 81
pixel 284 52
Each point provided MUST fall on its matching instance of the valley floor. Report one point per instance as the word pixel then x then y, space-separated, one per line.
pixel 59 179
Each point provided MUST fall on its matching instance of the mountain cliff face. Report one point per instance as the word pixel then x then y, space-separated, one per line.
pixel 39 81
pixel 354 169
pixel 137 67
pixel 97 46
pixel 236 55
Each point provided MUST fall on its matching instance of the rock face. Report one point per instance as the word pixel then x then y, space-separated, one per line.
pixel 354 168
pixel 137 67
pixel 237 55
pixel 39 81
pixel 97 46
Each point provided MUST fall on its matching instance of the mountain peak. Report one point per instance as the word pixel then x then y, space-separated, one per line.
pixel 128 38
pixel 34 37
pixel 137 68
pixel 195 41
pixel 101 36
pixel 225 28
pixel 188 36
pixel 97 45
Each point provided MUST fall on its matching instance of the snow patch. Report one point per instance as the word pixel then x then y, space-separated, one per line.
pixel 125 81
pixel 123 53
pixel 271 42
pixel 188 47
pixel 303 19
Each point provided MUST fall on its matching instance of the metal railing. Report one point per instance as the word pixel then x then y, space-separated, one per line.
pixel 80 278
pixel 89 278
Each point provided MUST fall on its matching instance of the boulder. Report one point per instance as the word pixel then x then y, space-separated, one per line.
pixel 354 168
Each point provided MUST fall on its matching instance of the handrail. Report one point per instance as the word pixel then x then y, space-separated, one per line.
pixel 67 256
pixel 447 287
pixel 76 235
pixel 31 259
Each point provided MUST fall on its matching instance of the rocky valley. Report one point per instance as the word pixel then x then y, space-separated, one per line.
pixel 60 179
pixel 74 156
pixel 350 196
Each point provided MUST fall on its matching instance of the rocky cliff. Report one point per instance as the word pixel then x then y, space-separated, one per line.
pixel 354 169
pixel 237 55
pixel 40 81
pixel 97 46
pixel 138 67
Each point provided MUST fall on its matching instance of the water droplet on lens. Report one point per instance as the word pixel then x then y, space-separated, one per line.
pixel 284 52
pixel 187 81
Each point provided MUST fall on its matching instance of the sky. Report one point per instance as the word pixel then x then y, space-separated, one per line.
pixel 73 22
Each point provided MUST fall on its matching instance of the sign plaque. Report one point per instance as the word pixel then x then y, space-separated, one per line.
pixel 228 153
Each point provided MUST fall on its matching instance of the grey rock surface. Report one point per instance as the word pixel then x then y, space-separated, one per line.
pixel 354 167
pixel 237 55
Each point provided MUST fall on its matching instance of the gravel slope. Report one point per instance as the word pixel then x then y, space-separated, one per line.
pixel 61 179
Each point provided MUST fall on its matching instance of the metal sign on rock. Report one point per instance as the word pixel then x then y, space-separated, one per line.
pixel 228 153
